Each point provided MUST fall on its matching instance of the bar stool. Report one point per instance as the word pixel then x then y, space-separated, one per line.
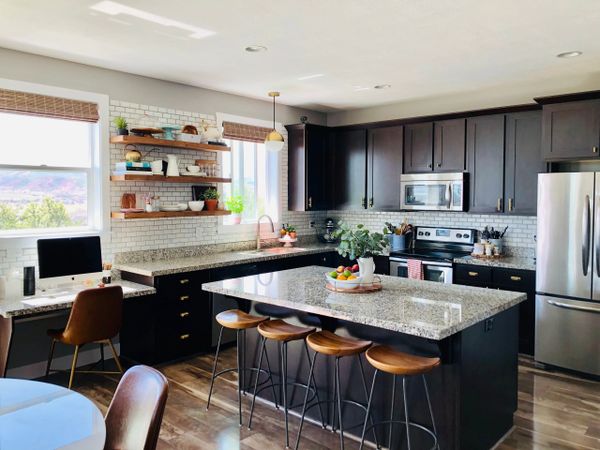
pixel 240 321
pixel 330 344
pixel 386 359
pixel 283 333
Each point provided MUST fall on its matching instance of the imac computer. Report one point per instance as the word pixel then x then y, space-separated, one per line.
pixel 68 261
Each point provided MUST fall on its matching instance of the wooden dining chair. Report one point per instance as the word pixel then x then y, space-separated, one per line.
pixel 96 317
pixel 135 413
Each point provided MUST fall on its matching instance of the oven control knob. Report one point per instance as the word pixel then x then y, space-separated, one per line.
pixel 420 233
pixel 466 236
pixel 427 233
pixel 458 235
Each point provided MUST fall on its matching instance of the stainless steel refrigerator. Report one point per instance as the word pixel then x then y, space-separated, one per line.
pixel 568 271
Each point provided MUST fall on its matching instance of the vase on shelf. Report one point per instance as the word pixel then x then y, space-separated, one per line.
pixel 172 166
pixel 367 269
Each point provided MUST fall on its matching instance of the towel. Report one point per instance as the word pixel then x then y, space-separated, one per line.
pixel 415 269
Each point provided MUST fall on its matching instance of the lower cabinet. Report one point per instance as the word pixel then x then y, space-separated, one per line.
pixel 508 280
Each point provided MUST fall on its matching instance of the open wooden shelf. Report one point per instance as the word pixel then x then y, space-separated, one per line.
pixel 143 140
pixel 166 214
pixel 164 179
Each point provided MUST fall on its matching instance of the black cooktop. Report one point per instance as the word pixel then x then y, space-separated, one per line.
pixel 430 254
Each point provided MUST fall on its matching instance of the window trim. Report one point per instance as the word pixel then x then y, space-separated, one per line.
pixel 248 229
pixel 99 185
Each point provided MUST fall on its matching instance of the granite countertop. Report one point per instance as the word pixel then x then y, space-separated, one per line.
pixel 507 262
pixel 419 308
pixel 171 266
pixel 15 306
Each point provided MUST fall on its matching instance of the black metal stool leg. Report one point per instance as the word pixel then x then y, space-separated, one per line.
pixel 406 412
pixel 271 378
pixel 243 360
pixel 364 430
pixel 311 379
pixel 212 378
pixel 334 403
pixel 263 342
pixel 339 400
pixel 310 375
pixel 364 383
pixel 391 430
pixel 430 409
pixel 239 372
pixel 285 388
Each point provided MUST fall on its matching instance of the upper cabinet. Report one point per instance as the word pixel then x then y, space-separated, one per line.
pixel 384 166
pixel 523 161
pixel 449 145
pixel 485 163
pixel 309 178
pixel 350 169
pixel 435 146
pixel 571 130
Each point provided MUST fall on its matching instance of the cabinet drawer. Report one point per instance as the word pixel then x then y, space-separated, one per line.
pixel 184 283
pixel 516 280
pixel 467 274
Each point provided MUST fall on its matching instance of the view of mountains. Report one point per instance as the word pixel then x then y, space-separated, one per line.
pixel 18 187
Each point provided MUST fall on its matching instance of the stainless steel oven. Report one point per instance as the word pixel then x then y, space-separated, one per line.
pixel 433 191
pixel 437 271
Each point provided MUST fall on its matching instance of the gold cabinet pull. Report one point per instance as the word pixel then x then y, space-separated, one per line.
pixel 499 204
pixel 310 202
pixel 510 204
pixel 184 281
pixel 371 202
pixel 183 298
pixel 595 149
pixel 515 278
pixel 183 337
pixel 184 314
pixel 473 274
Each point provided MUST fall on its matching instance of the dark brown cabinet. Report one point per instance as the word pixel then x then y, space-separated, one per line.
pixel 485 163
pixel 523 161
pixel 449 145
pixel 418 147
pixel 384 166
pixel 508 280
pixel 571 130
pixel 309 180
pixel 350 169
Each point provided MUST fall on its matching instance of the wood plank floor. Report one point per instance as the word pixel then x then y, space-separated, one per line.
pixel 556 411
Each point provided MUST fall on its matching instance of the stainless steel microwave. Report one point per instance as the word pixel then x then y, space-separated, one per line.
pixel 434 191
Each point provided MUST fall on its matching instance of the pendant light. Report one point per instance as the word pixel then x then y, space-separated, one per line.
pixel 274 140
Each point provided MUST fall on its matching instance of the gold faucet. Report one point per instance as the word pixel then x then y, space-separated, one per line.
pixel 258 229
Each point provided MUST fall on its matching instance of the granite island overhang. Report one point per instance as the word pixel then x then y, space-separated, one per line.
pixel 473 330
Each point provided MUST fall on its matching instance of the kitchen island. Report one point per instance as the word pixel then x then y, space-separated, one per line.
pixel 473 330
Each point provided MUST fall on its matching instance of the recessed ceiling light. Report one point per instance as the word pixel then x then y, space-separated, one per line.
pixel 382 86
pixel 572 54
pixel 256 48
pixel 361 88
pixel 310 77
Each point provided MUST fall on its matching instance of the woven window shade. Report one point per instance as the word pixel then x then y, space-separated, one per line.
pixel 17 102
pixel 242 132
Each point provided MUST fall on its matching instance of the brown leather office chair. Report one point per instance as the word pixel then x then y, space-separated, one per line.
pixel 96 317
pixel 135 414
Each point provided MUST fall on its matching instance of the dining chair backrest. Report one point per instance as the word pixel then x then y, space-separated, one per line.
pixel 135 414
pixel 96 315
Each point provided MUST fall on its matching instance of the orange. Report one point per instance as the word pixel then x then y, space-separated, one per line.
pixel 351 277
pixel 341 278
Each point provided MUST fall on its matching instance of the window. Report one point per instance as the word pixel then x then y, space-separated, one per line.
pixel 47 176
pixel 255 178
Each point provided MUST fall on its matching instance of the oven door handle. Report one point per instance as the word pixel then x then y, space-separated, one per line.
pixel 449 195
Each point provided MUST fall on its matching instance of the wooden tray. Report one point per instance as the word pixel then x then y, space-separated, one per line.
pixel 362 289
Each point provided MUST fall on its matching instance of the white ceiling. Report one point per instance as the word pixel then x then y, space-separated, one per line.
pixel 423 48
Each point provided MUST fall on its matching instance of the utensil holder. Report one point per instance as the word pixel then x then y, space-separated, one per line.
pixel 398 242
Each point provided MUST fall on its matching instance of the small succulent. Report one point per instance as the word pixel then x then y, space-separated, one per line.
pixel 120 123
pixel 211 194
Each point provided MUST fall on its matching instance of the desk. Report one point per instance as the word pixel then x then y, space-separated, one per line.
pixel 45 416
pixel 15 307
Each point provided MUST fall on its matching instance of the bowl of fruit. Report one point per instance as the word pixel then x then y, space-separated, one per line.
pixel 344 277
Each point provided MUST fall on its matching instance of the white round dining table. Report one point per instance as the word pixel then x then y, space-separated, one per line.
pixel 40 416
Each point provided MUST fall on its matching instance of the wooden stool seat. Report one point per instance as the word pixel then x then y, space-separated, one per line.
pixel 386 359
pixel 329 343
pixel 280 330
pixel 238 320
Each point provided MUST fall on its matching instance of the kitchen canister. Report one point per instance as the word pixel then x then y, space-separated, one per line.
pixel 497 243
pixel 398 242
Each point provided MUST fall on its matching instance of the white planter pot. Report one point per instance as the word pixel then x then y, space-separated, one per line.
pixel 367 269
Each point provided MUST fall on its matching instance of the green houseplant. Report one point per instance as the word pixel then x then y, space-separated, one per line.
pixel 121 126
pixel 211 199
pixel 235 204
pixel 362 245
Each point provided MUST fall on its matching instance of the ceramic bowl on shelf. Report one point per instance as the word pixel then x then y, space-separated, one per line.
pixel 343 284
pixel 197 205
pixel 193 169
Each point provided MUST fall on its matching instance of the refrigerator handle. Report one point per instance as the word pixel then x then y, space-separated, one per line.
pixel 585 246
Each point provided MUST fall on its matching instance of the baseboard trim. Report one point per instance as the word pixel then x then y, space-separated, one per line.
pixel 38 369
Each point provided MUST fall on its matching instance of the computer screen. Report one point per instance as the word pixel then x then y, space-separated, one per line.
pixel 69 256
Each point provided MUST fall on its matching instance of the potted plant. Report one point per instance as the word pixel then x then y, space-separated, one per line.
pixel 235 204
pixel 292 231
pixel 211 199
pixel 121 125
pixel 362 245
